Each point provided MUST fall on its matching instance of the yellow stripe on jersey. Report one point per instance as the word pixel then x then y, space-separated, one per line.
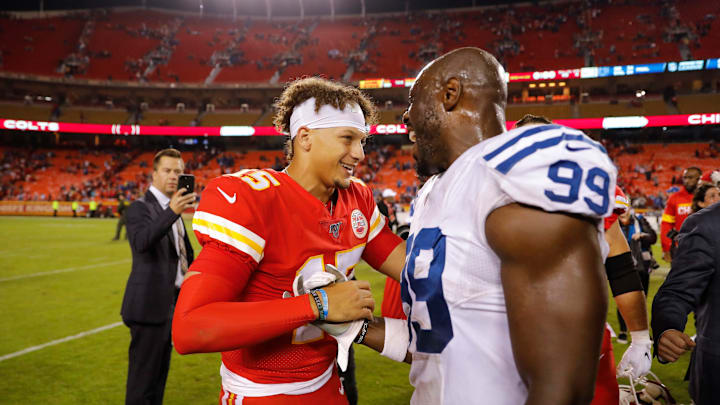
pixel 356 180
pixel 378 221
pixel 668 218
pixel 228 232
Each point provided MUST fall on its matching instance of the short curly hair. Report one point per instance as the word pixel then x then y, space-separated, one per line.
pixel 326 92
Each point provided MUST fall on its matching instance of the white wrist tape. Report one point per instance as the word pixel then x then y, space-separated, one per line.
pixel 640 336
pixel 397 339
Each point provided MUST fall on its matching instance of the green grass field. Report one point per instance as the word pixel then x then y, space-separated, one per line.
pixel 60 277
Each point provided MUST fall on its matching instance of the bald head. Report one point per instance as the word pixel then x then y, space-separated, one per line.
pixel 473 68
pixel 457 101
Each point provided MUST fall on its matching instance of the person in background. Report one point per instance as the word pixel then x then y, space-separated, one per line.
pixel 678 208
pixel 640 236
pixel 75 205
pixel 92 208
pixel 706 195
pixel 386 205
pixel 121 207
pixel 693 285
pixel 55 207
pixel 161 254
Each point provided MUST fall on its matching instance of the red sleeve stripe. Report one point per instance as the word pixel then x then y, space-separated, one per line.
pixel 230 233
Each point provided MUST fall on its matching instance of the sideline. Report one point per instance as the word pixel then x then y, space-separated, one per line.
pixel 58 341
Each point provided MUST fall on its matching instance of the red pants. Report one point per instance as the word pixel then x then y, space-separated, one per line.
pixel 392 300
pixel 607 391
pixel 329 394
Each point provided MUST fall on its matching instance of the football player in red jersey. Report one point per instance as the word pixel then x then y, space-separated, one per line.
pixel 629 297
pixel 677 209
pixel 262 229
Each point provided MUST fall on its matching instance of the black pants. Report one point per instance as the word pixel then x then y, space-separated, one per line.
pixel 347 378
pixel 149 362
pixel 645 280
pixel 120 225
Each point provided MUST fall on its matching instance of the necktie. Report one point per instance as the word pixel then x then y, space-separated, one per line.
pixel 181 246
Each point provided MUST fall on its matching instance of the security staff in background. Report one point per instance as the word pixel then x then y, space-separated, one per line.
pixel 121 208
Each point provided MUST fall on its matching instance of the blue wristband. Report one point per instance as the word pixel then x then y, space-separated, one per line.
pixel 325 302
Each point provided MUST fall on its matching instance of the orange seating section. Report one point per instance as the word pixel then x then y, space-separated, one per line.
pixel 396 172
pixel 667 160
pixel 37 46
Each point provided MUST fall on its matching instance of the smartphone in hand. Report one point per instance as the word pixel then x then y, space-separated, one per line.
pixel 186 181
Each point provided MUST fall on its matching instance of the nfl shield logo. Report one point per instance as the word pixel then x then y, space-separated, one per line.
pixel 359 224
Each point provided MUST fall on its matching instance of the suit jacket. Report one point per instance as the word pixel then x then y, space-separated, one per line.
pixel 150 293
pixel 693 285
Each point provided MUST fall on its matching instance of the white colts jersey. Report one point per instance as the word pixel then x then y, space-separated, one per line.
pixel 451 288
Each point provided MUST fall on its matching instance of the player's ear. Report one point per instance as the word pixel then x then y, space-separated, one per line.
pixel 451 93
pixel 303 138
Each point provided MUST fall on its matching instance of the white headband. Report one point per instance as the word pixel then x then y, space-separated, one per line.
pixel 304 115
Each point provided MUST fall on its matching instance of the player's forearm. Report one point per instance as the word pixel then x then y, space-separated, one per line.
pixel 633 309
pixel 665 227
pixel 377 337
pixel 204 324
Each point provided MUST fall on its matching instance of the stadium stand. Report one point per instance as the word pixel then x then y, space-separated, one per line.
pixel 167 47
pixel 648 172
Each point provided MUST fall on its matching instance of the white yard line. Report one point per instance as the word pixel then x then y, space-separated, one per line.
pixel 69 269
pixel 58 341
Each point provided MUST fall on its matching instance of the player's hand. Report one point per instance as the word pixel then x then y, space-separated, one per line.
pixel 673 344
pixel 666 257
pixel 349 301
pixel 637 358
pixel 179 202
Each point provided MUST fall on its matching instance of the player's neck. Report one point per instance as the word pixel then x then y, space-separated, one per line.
pixel 307 179
pixel 490 122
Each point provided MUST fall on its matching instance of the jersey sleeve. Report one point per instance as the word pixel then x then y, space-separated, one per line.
pixel 554 168
pixel 621 206
pixel 381 240
pixel 670 212
pixel 230 215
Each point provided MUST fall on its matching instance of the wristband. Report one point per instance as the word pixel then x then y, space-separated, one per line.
pixel 640 336
pixel 318 304
pixel 325 306
pixel 363 331
pixel 397 339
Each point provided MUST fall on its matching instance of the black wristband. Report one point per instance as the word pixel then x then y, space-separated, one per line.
pixel 363 331
pixel 318 304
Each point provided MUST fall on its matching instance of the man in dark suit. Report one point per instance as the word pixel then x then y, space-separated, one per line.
pixel 161 253
pixel 693 285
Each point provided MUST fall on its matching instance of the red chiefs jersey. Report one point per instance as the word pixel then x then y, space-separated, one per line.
pixel 287 231
pixel 621 205
pixel 678 207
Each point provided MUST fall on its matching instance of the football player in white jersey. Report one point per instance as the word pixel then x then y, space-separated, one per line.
pixel 504 285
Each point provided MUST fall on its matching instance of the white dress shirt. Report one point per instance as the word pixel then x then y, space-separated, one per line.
pixel 165 202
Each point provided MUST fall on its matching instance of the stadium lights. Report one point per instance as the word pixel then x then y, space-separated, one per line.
pixel 561 84
pixel 533 85
pixel 640 93
pixel 551 84
pixel 541 85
